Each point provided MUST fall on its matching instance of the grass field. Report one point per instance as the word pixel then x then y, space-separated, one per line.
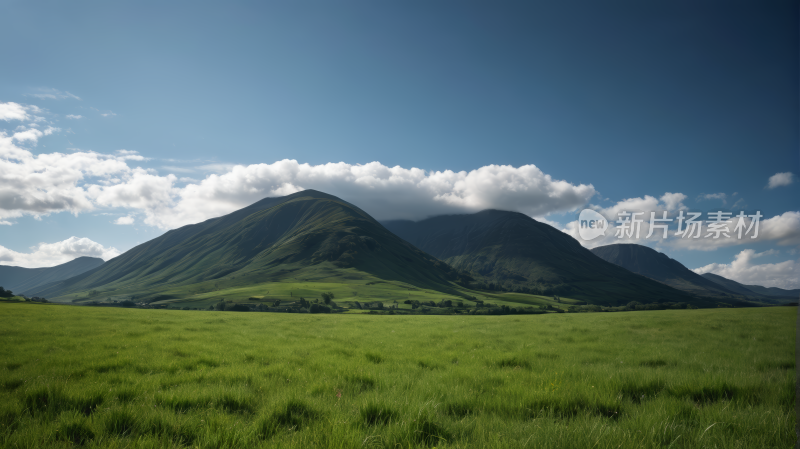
pixel 111 377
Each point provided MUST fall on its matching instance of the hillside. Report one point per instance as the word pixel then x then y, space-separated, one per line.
pixel 517 252
pixel 660 267
pixel 22 280
pixel 753 290
pixel 308 235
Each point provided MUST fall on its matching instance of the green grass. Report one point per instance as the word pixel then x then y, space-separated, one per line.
pixel 348 286
pixel 111 377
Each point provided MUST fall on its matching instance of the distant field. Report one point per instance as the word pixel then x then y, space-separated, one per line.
pixel 112 377
pixel 361 287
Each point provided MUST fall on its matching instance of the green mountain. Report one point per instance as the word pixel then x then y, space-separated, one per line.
pixel 754 290
pixel 660 267
pixel 516 252
pixel 305 236
pixel 22 280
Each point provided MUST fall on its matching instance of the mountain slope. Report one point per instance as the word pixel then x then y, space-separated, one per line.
pixel 660 267
pixel 775 292
pixel 21 280
pixel 519 253
pixel 753 290
pixel 300 236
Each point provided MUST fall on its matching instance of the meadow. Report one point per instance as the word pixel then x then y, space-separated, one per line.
pixel 114 377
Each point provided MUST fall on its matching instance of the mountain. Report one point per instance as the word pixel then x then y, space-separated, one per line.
pixel 306 235
pixel 754 290
pixel 775 292
pixel 20 280
pixel 517 252
pixel 660 267
pixel 730 285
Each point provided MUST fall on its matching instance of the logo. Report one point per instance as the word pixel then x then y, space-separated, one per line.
pixel 591 224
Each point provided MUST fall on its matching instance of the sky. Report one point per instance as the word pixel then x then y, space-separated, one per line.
pixel 122 120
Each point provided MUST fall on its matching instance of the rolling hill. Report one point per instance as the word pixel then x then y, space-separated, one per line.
pixel 660 267
pixel 22 280
pixel 517 252
pixel 308 235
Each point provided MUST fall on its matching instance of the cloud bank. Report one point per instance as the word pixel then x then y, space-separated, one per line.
pixel 83 181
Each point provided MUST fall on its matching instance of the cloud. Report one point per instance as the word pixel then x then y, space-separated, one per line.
pixel 127 220
pixel 50 182
pixel 83 181
pixel 783 275
pixel 713 196
pixel 13 111
pixel 108 114
pixel 782 229
pixel 780 180
pixel 668 202
pixel 53 94
pixel 74 117
pixel 51 254
pixel 130 155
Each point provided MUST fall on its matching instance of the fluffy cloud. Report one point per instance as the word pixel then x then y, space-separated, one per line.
pixel 780 180
pixel 384 192
pixel 51 182
pixel 669 202
pixel 50 254
pixel 782 229
pixel 743 270
pixel 126 220
pixel 82 181
pixel 74 117
pixel 13 111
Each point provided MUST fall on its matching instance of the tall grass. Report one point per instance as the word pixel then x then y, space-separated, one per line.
pixel 95 377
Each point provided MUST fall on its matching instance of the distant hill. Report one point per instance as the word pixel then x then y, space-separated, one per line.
pixel 306 235
pixel 21 280
pixel 729 284
pixel 660 267
pixel 772 292
pixel 519 253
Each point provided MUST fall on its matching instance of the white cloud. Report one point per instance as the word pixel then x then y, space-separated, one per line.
pixel 782 229
pixel 74 117
pixel 130 155
pixel 108 114
pixel 780 180
pixel 12 111
pixel 53 94
pixel 713 196
pixel 384 192
pixel 668 202
pixel 83 181
pixel 51 254
pixel 127 220
pixel 30 135
pixel 783 274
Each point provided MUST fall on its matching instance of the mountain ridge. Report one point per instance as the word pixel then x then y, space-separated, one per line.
pixel 267 241
pixel 517 252
pixel 23 280
pixel 660 267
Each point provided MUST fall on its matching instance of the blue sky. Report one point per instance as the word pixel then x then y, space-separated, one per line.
pixel 630 98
